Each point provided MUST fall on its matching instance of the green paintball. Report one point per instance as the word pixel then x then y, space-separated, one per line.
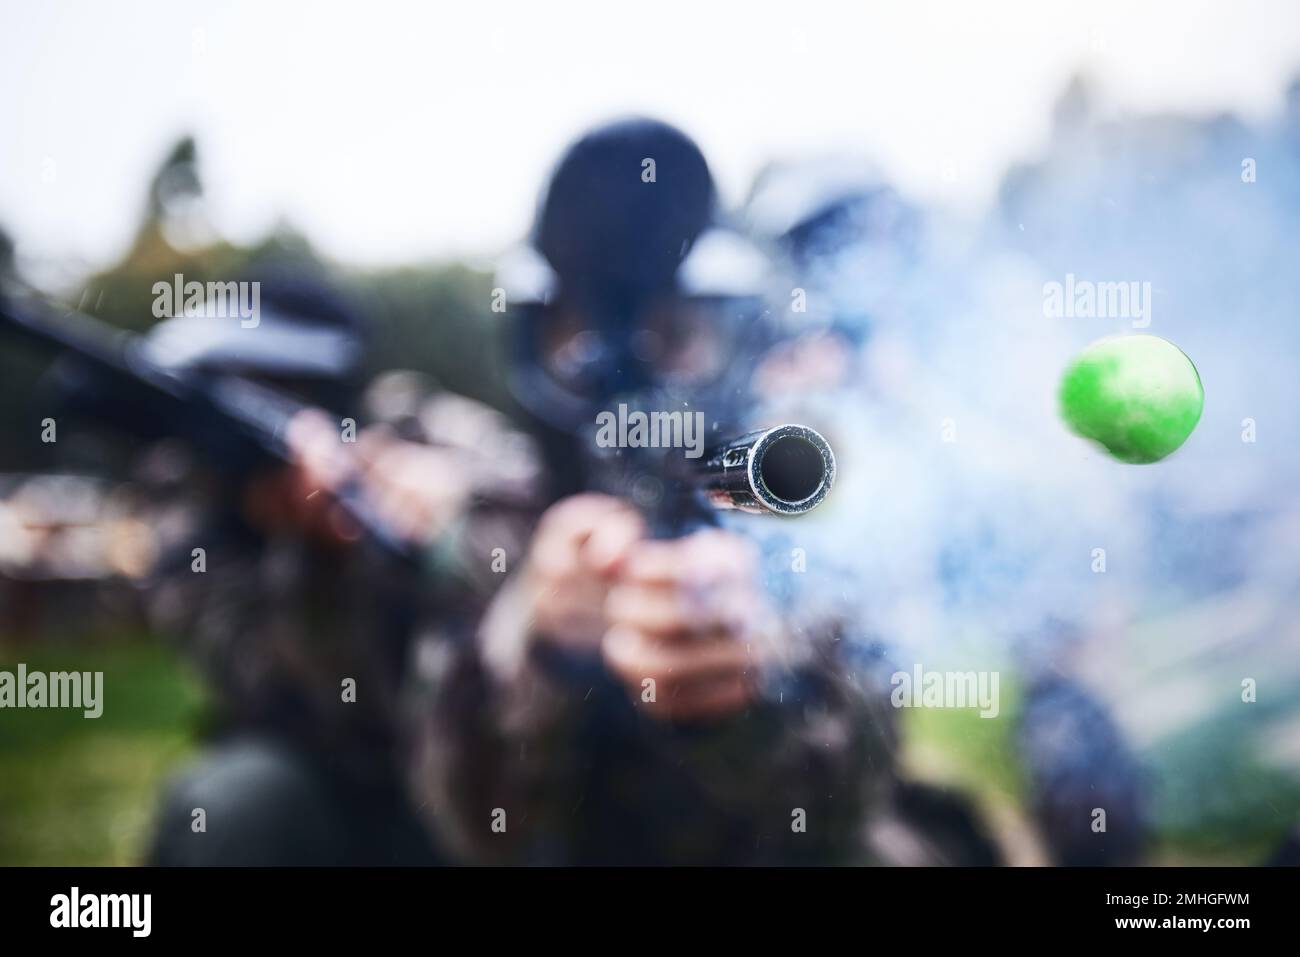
pixel 1139 397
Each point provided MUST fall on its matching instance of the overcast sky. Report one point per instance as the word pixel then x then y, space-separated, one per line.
pixel 391 132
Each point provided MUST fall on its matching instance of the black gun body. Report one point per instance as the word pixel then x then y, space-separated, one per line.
pixel 228 416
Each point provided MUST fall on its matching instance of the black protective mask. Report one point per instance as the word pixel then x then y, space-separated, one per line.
pixel 618 352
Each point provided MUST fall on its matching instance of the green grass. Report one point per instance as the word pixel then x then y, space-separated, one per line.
pixel 966 751
pixel 76 791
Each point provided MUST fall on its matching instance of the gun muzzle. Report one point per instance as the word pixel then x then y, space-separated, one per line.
pixel 785 470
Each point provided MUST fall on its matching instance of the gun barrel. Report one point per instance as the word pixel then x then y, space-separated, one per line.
pixel 786 470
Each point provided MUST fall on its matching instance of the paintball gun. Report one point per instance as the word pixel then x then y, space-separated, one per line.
pixel 227 416
pixel 784 471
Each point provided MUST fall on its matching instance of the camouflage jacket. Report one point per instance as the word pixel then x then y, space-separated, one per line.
pixel 310 643
pixel 531 755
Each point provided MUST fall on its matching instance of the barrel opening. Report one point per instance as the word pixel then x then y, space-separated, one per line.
pixel 792 468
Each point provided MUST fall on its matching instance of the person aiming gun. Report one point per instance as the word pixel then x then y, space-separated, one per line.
pixel 305 561
pixel 633 695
